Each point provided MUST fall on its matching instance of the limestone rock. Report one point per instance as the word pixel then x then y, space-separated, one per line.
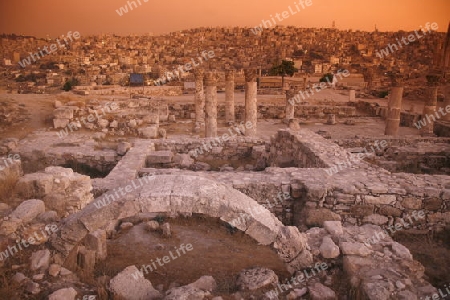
pixel 256 278
pixel 63 294
pixel 130 287
pixel 198 290
pixel 183 161
pixel 376 219
pixel 28 210
pixel 318 291
pixel 122 148
pixel 289 243
pixel 316 217
pixel 334 228
pixel 152 226
pixel 166 231
pixel 150 132
pixel 329 249
pixel 40 260
pixel 349 248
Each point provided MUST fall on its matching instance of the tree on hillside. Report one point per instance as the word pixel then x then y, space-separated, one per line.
pixel 285 68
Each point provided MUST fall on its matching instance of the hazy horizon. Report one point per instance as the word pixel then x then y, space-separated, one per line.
pixel 39 19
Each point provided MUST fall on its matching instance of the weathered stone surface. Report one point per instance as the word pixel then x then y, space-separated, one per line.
pixel 401 251
pixel 329 249
pixel 390 211
pixel 123 147
pixel 183 161
pixel 150 132
pixel 349 248
pixel 160 157
pixel 63 294
pixel 432 204
pixel 130 287
pixel 256 278
pixel 97 241
pixel 289 243
pixel 197 290
pixel 334 228
pixel 40 260
pixel 61 189
pixel 316 217
pixel 28 210
pixel 439 217
pixel 376 219
pixel 318 291
pixel 382 199
pixel 412 203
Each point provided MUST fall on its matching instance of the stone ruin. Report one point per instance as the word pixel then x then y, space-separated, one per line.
pixel 329 212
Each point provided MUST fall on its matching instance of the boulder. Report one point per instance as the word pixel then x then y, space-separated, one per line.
pixel 328 249
pixel 63 294
pixel 40 260
pixel 131 285
pixel 318 291
pixel 256 278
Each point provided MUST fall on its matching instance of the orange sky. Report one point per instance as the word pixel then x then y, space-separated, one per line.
pixel 56 17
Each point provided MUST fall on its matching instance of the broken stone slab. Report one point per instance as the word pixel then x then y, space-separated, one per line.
pixel 328 249
pixel 40 260
pixel 96 241
pixel 63 112
pixel 316 217
pixel 289 243
pixel 150 132
pixel 159 157
pixel 334 228
pixel 131 285
pixel 350 248
pixel 318 291
pixel 28 210
pixel 63 294
pixel 200 289
pixel 256 278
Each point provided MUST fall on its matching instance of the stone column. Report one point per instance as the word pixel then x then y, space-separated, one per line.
pixel 352 95
pixel 446 103
pixel 199 100
pixel 429 110
pixel 251 107
pixel 229 97
pixel 290 108
pixel 211 105
pixel 394 106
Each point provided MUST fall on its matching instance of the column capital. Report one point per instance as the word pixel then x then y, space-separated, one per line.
pixel 397 79
pixel 250 75
pixel 229 75
pixel 211 78
pixel 433 79
pixel 199 73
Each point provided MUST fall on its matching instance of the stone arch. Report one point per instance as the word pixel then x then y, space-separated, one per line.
pixel 182 194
